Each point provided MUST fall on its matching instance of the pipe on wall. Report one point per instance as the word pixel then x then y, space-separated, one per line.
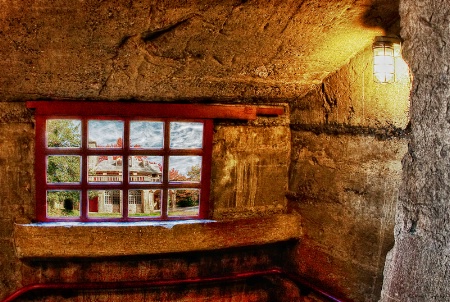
pixel 64 286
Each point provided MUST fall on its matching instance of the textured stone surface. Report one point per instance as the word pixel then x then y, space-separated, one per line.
pixel 16 185
pixel 250 168
pixel 107 240
pixel 418 266
pixel 210 52
pixel 345 189
pixel 348 138
pixel 349 100
pixel 180 49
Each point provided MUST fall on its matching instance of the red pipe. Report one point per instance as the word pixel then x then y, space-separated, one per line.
pixel 141 284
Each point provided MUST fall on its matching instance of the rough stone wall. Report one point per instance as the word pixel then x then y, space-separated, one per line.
pixel 417 268
pixel 250 168
pixel 196 51
pixel 101 50
pixel 16 185
pixel 348 138
pixel 179 49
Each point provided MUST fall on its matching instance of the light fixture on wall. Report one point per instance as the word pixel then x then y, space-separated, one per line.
pixel 385 49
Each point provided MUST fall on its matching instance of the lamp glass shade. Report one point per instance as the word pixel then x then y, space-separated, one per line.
pixel 383 62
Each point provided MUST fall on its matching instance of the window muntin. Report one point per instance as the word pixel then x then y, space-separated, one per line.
pixel 86 155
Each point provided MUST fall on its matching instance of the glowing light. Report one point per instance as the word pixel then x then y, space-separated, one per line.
pixel 385 49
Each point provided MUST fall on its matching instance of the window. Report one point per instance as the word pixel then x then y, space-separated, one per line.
pixel 113 161
pixel 95 164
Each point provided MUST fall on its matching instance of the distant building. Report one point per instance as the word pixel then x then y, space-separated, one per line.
pixel 110 169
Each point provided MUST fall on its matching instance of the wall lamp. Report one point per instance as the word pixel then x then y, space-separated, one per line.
pixel 385 49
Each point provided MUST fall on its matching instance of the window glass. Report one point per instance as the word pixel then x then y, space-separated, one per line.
pixel 105 203
pixel 105 134
pixel 118 167
pixel 145 169
pixel 63 204
pixel 186 135
pixel 63 169
pixel 185 168
pixel 144 203
pixel 183 202
pixel 105 168
pixel 146 135
pixel 62 133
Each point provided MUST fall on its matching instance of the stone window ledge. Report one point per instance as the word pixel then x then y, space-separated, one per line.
pixel 108 239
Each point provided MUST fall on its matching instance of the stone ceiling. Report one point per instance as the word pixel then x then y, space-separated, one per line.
pixel 181 49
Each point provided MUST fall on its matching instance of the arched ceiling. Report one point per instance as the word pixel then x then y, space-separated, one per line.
pixel 176 49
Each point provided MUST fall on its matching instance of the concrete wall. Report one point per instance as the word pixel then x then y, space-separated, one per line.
pixel 348 139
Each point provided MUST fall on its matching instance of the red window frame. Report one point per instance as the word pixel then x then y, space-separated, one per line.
pixel 166 112
pixel 84 113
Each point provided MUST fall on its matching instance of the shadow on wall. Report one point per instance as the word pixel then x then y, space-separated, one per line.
pixel 382 14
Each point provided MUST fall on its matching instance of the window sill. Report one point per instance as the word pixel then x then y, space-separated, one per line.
pixel 106 239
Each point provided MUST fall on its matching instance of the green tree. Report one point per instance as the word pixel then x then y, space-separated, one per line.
pixel 63 133
pixel 187 198
pixel 63 169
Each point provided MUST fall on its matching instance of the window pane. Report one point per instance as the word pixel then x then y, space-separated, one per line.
pixel 63 204
pixel 105 203
pixel 105 134
pixel 184 135
pixel 105 168
pixel 63 169
pixel 144 203
pixel 145 168
pixel 183 202
pixel 185 168
pixel 63 133
pixel 148 135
